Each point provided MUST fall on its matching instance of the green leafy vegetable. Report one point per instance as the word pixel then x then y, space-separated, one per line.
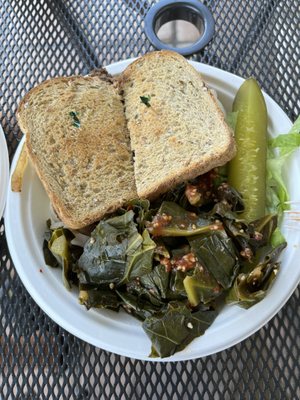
pixel 228 196
pixel 173 220
pixel 59 251
pixel 139 256
pixel 201 287
pixel 49 258
pixel 231 119
pixel 141 209
pixel 277 238
pixel 157 281
pixel 276 192
pixel 58 245
pixel 104 256
pixel 174 329
pixel 251 286
pixel 116 252
pixel 265 226
pixel 217 254
pixel 75 119
pixel 199 191
pixel 160 249
pixel 138 306
pixel 175 195
pixel 135 288
pixel 146 100
pixel 98 298
pixel 286 144
pixel 176 287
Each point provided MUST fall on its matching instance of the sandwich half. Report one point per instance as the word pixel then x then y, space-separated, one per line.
pixel 78 142
pixel 177 129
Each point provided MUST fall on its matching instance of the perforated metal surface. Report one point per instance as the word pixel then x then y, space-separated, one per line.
pixel 38 359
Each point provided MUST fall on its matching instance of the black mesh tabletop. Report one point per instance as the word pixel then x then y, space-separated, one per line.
pixel 39 359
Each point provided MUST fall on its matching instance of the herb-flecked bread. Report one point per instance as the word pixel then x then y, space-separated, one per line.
pixel 177 130
pixel 78 142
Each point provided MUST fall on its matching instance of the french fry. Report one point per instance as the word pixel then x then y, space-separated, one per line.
pixel 17 176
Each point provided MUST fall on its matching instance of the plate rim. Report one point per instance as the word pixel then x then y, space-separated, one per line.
pixel 182 356
pixel 4 171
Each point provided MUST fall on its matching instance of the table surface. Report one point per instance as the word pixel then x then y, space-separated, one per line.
pixel 40 360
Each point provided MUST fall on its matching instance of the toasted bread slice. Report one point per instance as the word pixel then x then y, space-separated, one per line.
pixel 78 142
pixel 176 127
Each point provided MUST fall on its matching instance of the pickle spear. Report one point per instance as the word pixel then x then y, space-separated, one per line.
pixel 247 170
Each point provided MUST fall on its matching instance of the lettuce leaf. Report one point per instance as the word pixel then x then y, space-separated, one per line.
pixel 231 119
pixel 285 145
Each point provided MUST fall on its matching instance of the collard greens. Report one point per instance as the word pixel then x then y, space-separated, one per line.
pixel 116 252
pixel 173 329
pixel 171 263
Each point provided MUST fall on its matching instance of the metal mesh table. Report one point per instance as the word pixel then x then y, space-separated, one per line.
pixel 38 359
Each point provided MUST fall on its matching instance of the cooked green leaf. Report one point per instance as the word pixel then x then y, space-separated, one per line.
pixel 173 220
pixel 223 210
pixel 226 194
pixel 200 191
pixel 141 209
pixel 242 236
pixel 174 329
pixel 49 258
pixel 176 288
pixel 217 254
pixel 58 245
pixel 180 251
pixel 160 249
pixel 252 284
pixel 138 306
pixel 265 226
pixel 139 256
pixel 105 254
pixel 201 287
pixel 152 295
pixel 116 252
pixel 175 195
pixel 99 299
pixel 157 281
pixel 249 237
pixel 199 321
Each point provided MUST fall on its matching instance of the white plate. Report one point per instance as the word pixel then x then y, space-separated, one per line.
pixel 25 218
pixel 4 171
